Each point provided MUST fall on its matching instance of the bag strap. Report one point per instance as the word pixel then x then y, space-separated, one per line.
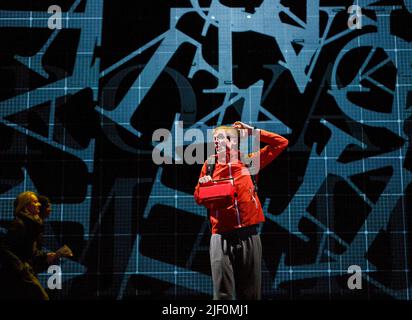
pixel 254 179
pixel 210 166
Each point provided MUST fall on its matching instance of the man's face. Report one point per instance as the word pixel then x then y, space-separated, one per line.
pixel 224 140
pixel 34 206
pixel 47 212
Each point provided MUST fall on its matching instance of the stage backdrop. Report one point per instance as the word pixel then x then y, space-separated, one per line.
pixel 81 96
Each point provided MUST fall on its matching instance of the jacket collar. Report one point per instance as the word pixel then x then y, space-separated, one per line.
pixel 26 215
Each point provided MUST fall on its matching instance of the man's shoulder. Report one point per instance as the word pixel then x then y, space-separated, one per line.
pixel 16 223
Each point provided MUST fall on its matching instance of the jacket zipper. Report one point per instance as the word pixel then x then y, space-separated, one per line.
pixel 236 207
pixel 254 199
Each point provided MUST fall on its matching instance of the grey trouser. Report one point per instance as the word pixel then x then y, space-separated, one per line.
pixel 236 262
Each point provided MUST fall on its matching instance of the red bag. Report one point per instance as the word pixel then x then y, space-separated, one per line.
pixel 217 194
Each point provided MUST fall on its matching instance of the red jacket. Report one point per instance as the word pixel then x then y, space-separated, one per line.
pixel 246 210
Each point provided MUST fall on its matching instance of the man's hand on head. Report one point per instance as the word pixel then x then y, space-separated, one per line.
pixel 243 127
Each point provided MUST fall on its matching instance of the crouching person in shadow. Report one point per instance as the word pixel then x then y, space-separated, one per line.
pixel 20 255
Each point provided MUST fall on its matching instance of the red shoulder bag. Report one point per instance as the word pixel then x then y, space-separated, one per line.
pixel 217 194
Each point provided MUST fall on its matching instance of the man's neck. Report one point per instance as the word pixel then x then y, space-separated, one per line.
pixel 230 156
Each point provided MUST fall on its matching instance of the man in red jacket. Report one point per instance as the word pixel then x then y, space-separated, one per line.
pixel 235 247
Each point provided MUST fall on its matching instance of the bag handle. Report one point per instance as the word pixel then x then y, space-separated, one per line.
pixel 224 179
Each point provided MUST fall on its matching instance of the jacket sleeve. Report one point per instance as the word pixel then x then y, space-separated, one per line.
pixel 202 173
pixel 40 260
pixel 275 146
pixel 15 236
pixel 11 261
